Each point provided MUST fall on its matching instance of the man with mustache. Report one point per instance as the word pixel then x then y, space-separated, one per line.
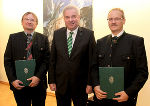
pixel 71 57
pixel 121 49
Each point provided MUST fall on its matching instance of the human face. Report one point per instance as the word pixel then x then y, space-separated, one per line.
pixel 115 21
pixel 29 23
pixel 71 19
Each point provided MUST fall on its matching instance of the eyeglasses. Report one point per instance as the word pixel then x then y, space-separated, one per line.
pixel 115 19
pixel 27 19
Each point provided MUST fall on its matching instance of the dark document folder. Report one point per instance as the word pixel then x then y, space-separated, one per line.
pixel 111 80
pixel 24 70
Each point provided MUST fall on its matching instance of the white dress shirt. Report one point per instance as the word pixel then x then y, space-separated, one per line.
pixel 73 35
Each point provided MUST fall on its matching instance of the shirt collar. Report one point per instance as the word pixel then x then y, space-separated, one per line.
pixel 27 33
pixel 118 35
pixel 74 31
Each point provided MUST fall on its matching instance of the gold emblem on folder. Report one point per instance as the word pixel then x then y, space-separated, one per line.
pixel 111 79
pixel 26 70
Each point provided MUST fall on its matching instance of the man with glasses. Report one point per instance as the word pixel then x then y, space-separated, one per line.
pixel 27 45
pixel 120 49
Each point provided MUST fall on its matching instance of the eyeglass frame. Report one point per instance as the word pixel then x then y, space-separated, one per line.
pixel 115 19
pixel 31 20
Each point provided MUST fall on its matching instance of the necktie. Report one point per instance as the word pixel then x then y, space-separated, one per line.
pixel 29 44
pixel 69 43
pixel 114 39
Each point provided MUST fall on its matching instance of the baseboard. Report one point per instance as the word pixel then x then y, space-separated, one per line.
pixel 48 93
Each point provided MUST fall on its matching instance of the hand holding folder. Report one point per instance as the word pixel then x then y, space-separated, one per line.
pixel 34 81
pixel 24 70
pixel 17 84
pixel 111 80
pixel 122 96
pixel 99 93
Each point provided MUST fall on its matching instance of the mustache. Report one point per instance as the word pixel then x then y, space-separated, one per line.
pixel 113 24
pixel 72 22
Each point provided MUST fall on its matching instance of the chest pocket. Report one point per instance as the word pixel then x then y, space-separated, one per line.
pixel 128 57
pixel 37 50
pixel 128 60
pixel 39 46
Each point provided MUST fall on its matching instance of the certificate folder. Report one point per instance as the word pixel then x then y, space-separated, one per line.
pixel 24 70
pixel 111 80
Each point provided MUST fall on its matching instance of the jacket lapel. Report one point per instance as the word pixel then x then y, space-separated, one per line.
pixel 34 47
pixel 108 44
pixel 64 42
pixel 77 41
pixel 22 44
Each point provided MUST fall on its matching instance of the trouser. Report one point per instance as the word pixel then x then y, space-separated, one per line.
pixel 110 102
pixel 27 96
pixel 66 99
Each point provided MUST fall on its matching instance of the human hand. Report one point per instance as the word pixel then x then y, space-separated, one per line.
pixel 122 96
pixel 34 81
pixel 99 93
pixel 52 87
pixel 89 89
pixel 17 85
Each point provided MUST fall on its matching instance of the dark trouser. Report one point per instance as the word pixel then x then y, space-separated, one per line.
pixel 109 102
pixel 65 100
pixel 27 96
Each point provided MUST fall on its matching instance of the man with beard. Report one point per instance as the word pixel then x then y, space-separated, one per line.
pixel 121 49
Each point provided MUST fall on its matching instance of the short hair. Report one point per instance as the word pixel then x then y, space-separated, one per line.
pixel 69 7
pixel 32 14
pixel 118 9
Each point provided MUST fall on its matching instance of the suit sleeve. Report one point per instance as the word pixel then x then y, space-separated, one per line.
pixel 51 71
pixel 8 61
pixel 95 72
pixel 141 74
pixel 92 47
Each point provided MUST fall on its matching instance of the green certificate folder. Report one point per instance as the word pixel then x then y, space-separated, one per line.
pixel 111 80
pixel 24 70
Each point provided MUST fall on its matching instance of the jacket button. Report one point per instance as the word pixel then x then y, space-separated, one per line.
pixel 99 55
pixel 41 48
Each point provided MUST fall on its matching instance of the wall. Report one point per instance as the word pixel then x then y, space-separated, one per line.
pixel 137 14
pixel 11 12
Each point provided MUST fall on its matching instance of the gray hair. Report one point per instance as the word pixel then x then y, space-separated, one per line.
pixel 69 7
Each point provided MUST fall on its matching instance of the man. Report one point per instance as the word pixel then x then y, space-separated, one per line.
pixel 126 51
pixel 16 49
pixel 71 60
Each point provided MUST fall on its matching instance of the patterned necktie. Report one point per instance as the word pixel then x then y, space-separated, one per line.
pixel 114 39
pixel 69 43
pixel 29 44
